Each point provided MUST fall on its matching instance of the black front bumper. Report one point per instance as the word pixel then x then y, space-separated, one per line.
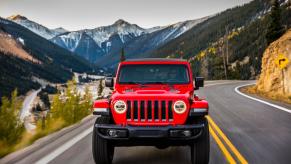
pixel 178 132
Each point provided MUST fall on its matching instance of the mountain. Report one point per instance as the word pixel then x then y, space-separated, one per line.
pixel 149 41
pixel 60 30
pixel 36 27
pixel 123 29
pixel 13 46
pixel 108 40
pixel 235 37
pixel 15 65
pixel 26 56
pixel 98 42
pixel 79 43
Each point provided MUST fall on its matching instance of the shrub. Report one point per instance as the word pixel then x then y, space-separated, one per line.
pixel 11 128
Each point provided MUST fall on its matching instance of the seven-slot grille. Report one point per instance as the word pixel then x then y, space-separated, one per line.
pixel 149 110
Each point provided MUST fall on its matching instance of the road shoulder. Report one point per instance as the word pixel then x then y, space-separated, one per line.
pixel 256 97
pixel 44 141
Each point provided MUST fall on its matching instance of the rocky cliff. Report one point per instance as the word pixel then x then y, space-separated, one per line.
pixel 274 80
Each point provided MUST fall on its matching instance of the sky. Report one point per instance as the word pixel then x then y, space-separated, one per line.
pixel 88 14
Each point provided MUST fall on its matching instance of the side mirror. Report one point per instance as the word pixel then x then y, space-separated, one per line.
pixel 109 82
pixel 199 82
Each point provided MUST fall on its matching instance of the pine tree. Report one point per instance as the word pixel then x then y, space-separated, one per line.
pixel 57 106
pixel 71 103
pixel 122 55
pixel 87 101
pixel 275 28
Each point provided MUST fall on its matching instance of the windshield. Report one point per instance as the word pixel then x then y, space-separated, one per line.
pixel 154 74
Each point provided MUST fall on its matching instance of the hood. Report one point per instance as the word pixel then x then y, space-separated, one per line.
pixel 152 91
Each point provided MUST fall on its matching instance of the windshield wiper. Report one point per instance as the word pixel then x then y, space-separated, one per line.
pixel 136 83
pixel 157 82
pixel 130 82
pixel 143 84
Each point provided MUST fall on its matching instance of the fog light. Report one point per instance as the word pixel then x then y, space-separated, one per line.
pixel 187 133
pixel 180 133
pixel 112 132
pixel 116 133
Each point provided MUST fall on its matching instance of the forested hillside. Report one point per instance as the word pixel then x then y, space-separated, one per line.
pixel 235 37
pixel 55 64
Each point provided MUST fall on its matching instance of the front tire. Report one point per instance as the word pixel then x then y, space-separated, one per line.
pixel 200 149
pixel 102 150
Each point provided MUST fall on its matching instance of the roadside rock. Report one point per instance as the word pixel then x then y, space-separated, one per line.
pixel 272 80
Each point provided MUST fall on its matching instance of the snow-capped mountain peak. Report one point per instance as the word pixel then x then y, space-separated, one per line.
pixel 17 17
pixel 156 28
pixel 121 22
pixel 60 30
pixel 71 40
pixel 35 27
pixel 120 27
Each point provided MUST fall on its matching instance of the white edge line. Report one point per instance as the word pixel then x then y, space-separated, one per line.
pixel 261 101
pixel 63 148
pixel 208 85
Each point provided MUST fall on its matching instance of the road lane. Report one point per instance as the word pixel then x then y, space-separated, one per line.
pixel 81 153
pixel 259 132
pixel 27 104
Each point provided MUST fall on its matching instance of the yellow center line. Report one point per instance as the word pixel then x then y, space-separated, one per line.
pixel 222 147
pixel 227 141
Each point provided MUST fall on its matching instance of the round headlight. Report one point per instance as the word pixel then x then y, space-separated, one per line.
pixel 180 107
pixel 120 106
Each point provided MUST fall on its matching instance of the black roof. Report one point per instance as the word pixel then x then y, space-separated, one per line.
pixel 156 59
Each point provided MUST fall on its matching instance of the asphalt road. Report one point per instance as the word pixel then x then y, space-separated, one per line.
pixel 27 103
pixel 259 133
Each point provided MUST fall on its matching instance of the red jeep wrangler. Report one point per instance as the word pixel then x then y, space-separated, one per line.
pixel 153 104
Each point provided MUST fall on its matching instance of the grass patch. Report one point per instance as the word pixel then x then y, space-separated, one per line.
pixel 27 138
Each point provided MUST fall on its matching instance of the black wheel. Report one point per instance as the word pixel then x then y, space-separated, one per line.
pixel 102 150
pixel 200 149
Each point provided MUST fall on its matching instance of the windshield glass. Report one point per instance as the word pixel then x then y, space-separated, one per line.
pixel 154 74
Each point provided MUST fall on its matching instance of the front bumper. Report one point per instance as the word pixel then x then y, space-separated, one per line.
pixel 178 132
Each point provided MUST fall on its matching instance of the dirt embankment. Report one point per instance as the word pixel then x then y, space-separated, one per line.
pixel 273 81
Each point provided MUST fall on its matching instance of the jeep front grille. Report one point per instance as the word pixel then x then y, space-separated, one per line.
pixel 149 111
